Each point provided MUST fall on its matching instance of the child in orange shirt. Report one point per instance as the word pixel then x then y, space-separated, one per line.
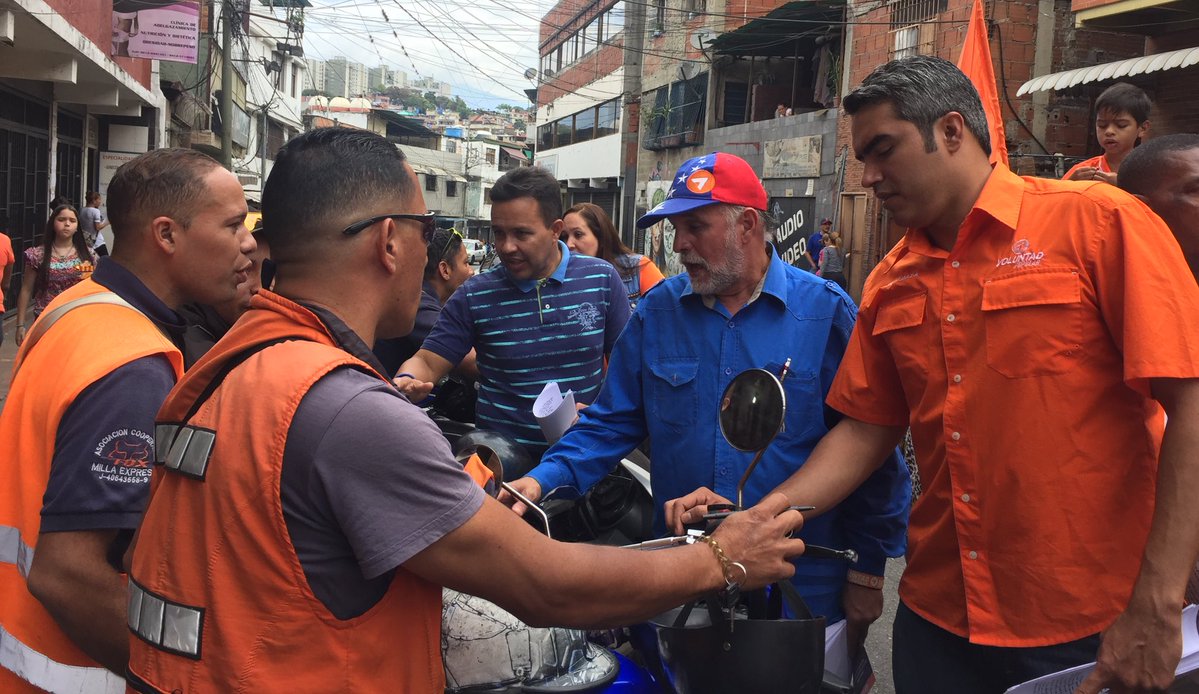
pixel 1121 120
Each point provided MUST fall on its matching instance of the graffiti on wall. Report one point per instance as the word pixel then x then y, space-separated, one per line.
pixel 659 237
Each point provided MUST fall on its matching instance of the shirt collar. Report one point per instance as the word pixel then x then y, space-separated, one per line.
pixel 117 278
pixel 346 338
pixel 999 199
pixel 558 275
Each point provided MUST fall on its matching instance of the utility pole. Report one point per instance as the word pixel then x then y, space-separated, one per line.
pixel 226 84
pixel 630 136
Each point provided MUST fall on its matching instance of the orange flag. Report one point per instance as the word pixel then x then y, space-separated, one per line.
pixel 976 63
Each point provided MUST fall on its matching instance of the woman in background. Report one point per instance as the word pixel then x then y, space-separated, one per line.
pixel 589 231
pixel 832 261
pixel 60 262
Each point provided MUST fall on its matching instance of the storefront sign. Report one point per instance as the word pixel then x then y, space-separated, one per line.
pixel 162 29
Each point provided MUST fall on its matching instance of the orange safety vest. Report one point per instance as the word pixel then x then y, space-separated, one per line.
pixel 84 345
pixel 219 601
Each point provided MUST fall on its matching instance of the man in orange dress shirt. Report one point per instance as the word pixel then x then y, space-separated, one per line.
pixel 1031 333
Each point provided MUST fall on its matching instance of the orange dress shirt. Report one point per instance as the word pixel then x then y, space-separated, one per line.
pixel 1021 360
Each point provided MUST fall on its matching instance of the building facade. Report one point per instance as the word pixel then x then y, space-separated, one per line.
pixel 70 113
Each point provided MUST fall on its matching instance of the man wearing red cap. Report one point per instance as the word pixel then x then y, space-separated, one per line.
pixel 738 306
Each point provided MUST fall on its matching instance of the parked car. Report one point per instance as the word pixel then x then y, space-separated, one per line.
pixel 474 251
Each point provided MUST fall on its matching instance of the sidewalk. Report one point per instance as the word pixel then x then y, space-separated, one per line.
pixel 8 352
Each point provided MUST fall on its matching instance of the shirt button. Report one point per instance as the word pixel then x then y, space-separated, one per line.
pixel 727 372
pixel 956 264
pixel 547 305
pixel 732 324
pixel 951 318
pixel 955 436
pixel 966 498
pixel 957 378
pixel 973 554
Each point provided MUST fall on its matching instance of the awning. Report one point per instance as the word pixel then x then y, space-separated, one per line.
pixel 776 33
pixel 516 153
pixel 1131 67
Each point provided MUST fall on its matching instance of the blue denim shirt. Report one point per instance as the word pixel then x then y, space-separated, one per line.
pixel 665 378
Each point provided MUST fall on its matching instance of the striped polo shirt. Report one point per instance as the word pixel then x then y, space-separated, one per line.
pixel 527 333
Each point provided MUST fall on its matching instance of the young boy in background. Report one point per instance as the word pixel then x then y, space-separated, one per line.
pixel 1121 120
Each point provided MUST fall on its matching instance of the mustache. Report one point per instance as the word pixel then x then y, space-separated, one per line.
pixel 691 258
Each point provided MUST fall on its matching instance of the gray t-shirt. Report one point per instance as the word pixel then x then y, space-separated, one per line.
pixel 368 481
pixel 89 217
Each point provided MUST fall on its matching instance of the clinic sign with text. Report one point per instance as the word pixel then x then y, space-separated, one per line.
pixel 160 30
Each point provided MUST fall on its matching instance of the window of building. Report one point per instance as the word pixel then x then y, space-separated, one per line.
pixel 451 189
pixel 295 80
pixel 695 7
pixel 659 24
pixel 489 155
pixel 584 125
pixel 614 21
pixel 916 39
pixel 487 195
pixel 608 118
pixel 430 183
pixel 451 146
pixel 562 131
pixel 591 36
pixel 677 115
pixel 545 136
pixel 906 12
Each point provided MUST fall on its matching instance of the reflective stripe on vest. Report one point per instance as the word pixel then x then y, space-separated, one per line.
pixel 40 671
pixel 187 449
pixel 169 626
pixel 13 549
pixel 44 323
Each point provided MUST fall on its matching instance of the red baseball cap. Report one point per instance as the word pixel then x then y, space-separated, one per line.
pixel 708 180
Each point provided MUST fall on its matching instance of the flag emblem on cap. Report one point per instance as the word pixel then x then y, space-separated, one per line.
pixel 701 182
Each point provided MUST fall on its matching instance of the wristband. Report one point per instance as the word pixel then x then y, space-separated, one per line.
pixel 865 580
pixel 405 374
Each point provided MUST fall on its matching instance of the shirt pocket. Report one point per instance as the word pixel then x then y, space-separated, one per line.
pixel 804 418
pixel 1033 322
pixel 673 396
pixel 897 323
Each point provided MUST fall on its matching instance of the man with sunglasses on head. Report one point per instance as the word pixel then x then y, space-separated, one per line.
pixel 546 315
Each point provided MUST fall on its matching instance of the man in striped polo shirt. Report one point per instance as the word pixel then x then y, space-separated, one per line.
pixel 544 315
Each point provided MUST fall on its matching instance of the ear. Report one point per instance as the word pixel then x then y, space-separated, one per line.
pixel 1142 131
pixel 387 246
pixel 163 232
pixel 557 228
pixel 951 127
pixel 748 222
pixel 444 270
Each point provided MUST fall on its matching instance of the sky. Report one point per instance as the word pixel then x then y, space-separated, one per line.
pixel 482 48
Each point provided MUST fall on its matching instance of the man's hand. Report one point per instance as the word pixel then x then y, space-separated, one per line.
pixel 760 539
pixel 413 389
pixel 1139 653
pixel 525 485
pixel 1106 176
pixel 862 607
pixel 690 508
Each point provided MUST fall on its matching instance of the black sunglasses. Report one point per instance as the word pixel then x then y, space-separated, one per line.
pixel 427 220
pixel 448 241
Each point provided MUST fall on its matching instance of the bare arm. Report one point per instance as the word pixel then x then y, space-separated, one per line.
pixel 842 461
pixel 497 556
pixel 27 280
pixel 1141 649
pixel 72 578
pixel 425 368
pixel 468 367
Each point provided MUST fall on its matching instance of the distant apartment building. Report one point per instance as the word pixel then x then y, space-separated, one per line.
pixel 316 75
pixel 382 77
pixel 428 84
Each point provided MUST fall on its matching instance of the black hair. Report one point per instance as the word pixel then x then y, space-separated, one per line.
pixel 531 182
pixel 164 182
pixel 1141 170
pixel 48 235
pixel 325 179
pixel 1126 98
pixel 92 196
pixel 922 89
pixel 443 246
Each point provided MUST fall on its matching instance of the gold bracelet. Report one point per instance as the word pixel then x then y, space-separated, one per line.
pixel 726 566
pixel 865 580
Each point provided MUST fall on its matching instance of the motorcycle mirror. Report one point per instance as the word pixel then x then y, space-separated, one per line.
pixel 752 409
pixel 491 460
